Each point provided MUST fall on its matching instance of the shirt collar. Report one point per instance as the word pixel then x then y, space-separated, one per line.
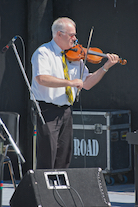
pixel 57 49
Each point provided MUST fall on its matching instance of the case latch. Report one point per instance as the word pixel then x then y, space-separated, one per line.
pixel 98 129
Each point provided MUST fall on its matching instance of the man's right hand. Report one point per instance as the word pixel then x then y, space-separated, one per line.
pixel 78 83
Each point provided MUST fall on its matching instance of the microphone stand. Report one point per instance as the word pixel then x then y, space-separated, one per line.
pixel 12 141
pixel 35 102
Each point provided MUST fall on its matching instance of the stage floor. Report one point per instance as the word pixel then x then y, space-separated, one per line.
pixel 119 195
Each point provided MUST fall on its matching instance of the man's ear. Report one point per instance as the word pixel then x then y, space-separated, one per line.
pixel 59 33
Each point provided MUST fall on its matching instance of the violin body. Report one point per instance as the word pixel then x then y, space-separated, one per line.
pixel 95 59
pixel 78 52
pixel 94 55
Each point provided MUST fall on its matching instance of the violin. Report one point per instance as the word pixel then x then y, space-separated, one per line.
pixel 94 55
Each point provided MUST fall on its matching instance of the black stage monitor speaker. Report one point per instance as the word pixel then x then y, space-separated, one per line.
pixel 80 187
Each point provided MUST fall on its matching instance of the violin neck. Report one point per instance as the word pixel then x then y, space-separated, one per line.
pixel 97 53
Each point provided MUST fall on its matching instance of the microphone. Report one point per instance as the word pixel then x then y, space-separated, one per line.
pixel 75 42
pixel 9 44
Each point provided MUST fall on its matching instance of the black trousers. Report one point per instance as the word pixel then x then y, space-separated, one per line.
pixel 54 141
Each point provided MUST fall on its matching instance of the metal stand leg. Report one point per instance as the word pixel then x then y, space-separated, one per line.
pixel 8 161
pixel 20 167
pixel 34 141
pixel 1 177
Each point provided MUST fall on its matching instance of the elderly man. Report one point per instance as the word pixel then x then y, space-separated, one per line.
pixel 55 82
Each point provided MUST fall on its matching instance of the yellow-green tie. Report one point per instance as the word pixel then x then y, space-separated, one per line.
pixel 68 88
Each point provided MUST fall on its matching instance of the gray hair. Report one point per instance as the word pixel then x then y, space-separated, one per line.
pixel 60 23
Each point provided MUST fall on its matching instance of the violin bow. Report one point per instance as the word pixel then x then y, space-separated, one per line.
pixel 78 92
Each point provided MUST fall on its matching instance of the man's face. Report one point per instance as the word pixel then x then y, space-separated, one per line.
pixel 68 36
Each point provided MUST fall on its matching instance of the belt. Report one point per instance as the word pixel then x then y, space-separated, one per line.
pixel 51 104
pixel 63 106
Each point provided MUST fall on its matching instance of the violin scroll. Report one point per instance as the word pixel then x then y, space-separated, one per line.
pixel 122 62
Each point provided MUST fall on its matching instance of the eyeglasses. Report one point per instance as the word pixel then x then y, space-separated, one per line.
pixel 70 34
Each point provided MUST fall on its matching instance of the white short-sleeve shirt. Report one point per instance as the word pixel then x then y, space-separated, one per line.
pixel 47 60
